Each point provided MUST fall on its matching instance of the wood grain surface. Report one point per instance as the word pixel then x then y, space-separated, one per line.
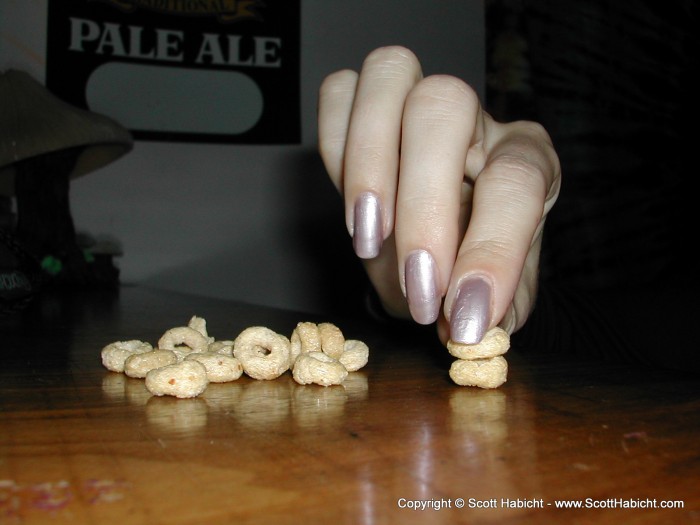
pixel 82 445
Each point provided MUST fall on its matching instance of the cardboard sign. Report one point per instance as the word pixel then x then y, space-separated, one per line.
pixel 181 70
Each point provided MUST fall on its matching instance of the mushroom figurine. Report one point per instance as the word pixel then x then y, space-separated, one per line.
pixel 44 143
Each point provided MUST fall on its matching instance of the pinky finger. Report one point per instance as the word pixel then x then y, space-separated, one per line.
pixel 335 101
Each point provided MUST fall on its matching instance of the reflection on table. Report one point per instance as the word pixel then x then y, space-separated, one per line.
pixel 80 444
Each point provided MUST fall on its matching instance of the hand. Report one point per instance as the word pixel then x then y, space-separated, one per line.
pixel 443 203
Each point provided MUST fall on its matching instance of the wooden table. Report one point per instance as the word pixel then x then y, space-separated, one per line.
pixel 79 444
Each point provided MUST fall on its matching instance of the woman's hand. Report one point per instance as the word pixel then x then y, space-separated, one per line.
pixel 443 203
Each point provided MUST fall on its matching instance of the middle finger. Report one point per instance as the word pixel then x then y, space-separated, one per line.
pixel 439 124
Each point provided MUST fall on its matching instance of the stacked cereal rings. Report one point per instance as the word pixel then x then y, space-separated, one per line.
pixel 481 364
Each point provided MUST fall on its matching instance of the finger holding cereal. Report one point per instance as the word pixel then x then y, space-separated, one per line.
pixel 263 352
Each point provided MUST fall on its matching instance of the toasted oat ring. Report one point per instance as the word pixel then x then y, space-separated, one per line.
pixel 184 380
pixel 355 355
pixel 332 340
pixel 495 342
pixel 491 372
pixel 115 354
pixel 318 368
pixel 176 338
pixel 263 352
pixel 220 368
pixel 304 338
pixel 199 324
pixel 221 347
pixel 138 365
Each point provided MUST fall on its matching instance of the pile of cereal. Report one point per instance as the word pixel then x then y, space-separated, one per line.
pixel 186 359
pixel 481 364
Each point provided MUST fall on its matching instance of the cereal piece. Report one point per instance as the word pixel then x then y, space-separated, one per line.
pixel 183 338
pixel 318 368
pixel 183 380
pixel 114 354
pixel 484 373
pixel 221 347
pixel 263 353
pixel 138 365
pixel 220 368
pixel 304 338
pixel 332 340
pixel 495 342
pixel 355 355
pixel 199 324
pixel 181 352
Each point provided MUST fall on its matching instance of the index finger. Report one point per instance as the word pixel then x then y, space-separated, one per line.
pixel 513 193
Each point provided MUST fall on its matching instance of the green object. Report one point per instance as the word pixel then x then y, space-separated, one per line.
pixel 51 265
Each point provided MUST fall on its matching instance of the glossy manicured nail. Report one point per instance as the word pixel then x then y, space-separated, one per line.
pixel 367 236
pixel 421 287
pixel 470 313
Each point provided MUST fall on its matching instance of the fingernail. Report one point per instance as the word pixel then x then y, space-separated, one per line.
pixel 367 234
pixel 470 313
pixel 421 287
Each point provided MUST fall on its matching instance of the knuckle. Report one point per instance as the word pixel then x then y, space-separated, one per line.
pixel 534 129
pixel 531 144
pixel 517 167
pixel 446 89
pixel 391 61
pixel 520 170
pixel 498 248
pixel 338 82
pixel 441 99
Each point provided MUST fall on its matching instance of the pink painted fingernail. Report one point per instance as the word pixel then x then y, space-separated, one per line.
pixel 367 234
pixel 471 310
pixel 421 287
